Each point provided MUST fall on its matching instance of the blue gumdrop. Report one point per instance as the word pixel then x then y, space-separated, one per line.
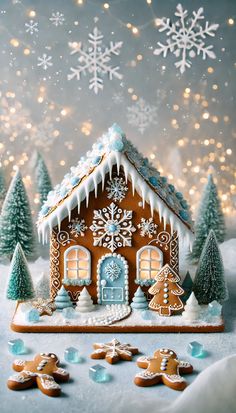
pixel 147 315
pixel 32 316
pixel 184 204
pixel 117 145
pixel 153 181
pixel 100 146
pixel 98 374
pixel 63 191
pixel 215 309
pixel 184 214
pixel 143 170
pixel 179 195
pixel 171 188
pixel 163 179
pixel 96 160
pixel 68 312
pixel 44 210
pixel 16 346
pixel 116 128
pixel 195 349
pixel 75 180
pixel 71 355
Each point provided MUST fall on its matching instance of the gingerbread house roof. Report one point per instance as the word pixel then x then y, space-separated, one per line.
pixel 111 149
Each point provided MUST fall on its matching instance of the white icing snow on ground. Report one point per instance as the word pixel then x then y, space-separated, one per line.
pixel 212 391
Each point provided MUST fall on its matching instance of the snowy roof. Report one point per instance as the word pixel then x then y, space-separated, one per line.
pixel 112 149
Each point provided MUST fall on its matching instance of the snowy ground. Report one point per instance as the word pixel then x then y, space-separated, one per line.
pixel 211 391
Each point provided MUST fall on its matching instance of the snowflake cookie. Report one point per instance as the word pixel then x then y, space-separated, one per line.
pixel 147 227
pixel 113 351
pixel 163 367
pixel 44 307
pixel 116 189
pixel 42 371
pixel 77 227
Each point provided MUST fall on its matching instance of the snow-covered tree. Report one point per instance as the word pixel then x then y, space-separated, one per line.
pixel 20 285
pixel 42 288
pixel 192 309
pixel 209 283
pixel 85 302
pixel 3 189
pixel 187 287
pixel 62 299
pixel 139 301
pixel 44 183
pixel 16 223
pixel 210 216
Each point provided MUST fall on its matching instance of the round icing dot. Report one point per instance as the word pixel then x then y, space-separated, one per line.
pixel 163 368
pixel 166 295
pixel 96 160
pixel 171 352
pixel 53 356
pixel 153 180
pixel 117 145
pixel 165 290
pixel 41 354
pixel 161 349
pixel 184 214
pixel 39 368
pixel 165 301
pixel 75 180
pixel 166 350
pixel 165 284
pixel 179 195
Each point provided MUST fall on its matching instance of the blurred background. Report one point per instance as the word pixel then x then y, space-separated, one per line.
pixel 52 102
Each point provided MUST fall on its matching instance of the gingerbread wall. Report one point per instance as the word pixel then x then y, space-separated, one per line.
pixel 63 240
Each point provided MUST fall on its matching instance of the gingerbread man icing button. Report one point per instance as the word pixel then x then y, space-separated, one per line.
pixel 43 371
pixel 163 367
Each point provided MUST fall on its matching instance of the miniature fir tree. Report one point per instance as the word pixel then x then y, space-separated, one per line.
pixel 16 221
pixel 210 216
pixel 62 299
pixel 85 302
pixel 44 183
pixel 42 288
pixel 3 189
pixel 139 301
pixel 192 309
pixel 20 285
pixel 187 287
pixel 209 283
pixel 166 292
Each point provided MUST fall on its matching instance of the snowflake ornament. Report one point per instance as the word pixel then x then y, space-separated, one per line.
pixel 116 189
pixel 112 227
pixel 147 227
pixel 95 60
pixel 31 27
pixel 142 115
pixel 112 271
pixel 186 37
pixel 45 61
pixel 77 227
pixel 57 19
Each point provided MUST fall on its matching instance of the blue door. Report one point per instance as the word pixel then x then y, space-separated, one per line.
pixel 113 280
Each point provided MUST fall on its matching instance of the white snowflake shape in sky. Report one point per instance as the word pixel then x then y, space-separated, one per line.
pixel 142 115
pixel 112 227
pixel 186 37
pixel 147 227
pixel 116 189
pixel 112 271
pixel 57 19
pixel 118 98
pixel 45 61
pixel 31 27
pixel 95 60
pixel 77 227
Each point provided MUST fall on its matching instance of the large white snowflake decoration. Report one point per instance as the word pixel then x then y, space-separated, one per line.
pixel 57 19
pixel 112 271
pixel 116 189
pixel 186 37
pixel 112 227
pixel 142 115
pixel 147 227
pixel 31 27
pixel 95 60
pixel 77 227
pixel 45 61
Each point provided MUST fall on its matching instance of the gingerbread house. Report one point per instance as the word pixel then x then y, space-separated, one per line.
pixel 113 222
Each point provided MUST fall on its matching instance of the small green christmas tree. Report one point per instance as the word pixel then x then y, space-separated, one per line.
pixel 3 189
pixel 62 299
pixel 209 283
pixel 210 216
pixel 20 285
pixel 16 221
pixel 44 183
pixel 187 287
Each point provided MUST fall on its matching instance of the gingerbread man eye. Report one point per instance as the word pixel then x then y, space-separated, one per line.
pixel 53 356
pixel 42 354
pixel 171 352
pixel 166 350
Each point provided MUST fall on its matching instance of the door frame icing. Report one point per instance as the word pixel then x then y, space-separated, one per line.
pixel 126 273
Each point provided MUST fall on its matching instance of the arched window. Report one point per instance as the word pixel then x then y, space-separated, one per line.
pixel 77 263
pixel 149 261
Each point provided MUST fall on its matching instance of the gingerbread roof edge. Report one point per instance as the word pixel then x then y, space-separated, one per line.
pixel 114 149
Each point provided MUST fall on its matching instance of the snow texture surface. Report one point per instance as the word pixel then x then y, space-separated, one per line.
pixel 212 386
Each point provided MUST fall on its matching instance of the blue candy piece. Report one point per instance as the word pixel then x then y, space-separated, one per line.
pixel 75 180
pixel 143 170
pixel 195 349
pixel 147 315
pixel 215 308
pixel 16 346
pixel 100 146
pixel 68 312
pixel 32 316
pixel 96 160
pixel 116 128
pixel 117 145
pixel 71 355
pixel 98 374
pixel 153 181
pixel 63 191
pixel 184 204
pixel 44 210
pixel 179 195
pixel 184 215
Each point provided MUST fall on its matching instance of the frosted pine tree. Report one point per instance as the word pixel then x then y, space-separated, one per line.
pixel 209 283
pixel 42 288
pixel 85 302
pixel 44 183
pixel 20 285
pixel 16 221
pixel 3 190
pixel 210 216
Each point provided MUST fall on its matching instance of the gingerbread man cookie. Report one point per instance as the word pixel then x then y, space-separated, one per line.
pixel 114 351
pixel 163 367
pixel 42 371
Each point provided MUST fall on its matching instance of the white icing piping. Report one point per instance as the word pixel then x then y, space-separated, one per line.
pixel 138 184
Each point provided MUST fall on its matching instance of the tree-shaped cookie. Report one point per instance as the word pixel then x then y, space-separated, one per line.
pixel 163 367
pixel 42 371
pixel 113 351
pixel 166 292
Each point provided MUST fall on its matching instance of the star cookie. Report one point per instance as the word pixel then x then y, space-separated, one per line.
pixel 114 351
pixel 44 307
